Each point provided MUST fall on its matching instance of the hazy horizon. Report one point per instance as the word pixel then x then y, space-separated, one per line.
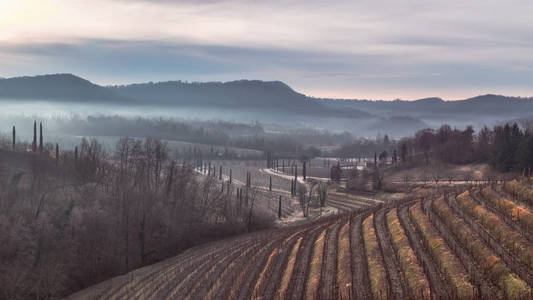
pixel 392 98
pixel 345 49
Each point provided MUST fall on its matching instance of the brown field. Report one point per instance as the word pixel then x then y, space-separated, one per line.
pixel 464 245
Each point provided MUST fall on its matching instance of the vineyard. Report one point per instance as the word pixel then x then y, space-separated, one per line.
pixel 473 243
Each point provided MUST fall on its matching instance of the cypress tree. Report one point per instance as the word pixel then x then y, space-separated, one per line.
pixel 220 173
pixel 279 207
pixel 34 145
pixel 230 176
pixel 293 187
pixel 76 153
pixel 270 184
pixel 14 137
pixel 57 154
pixel 304 170
pixel 292 182
pixel 170 178
pixel 40 137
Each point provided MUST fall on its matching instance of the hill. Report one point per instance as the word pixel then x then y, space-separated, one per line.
pixel 433 108
pixel 234 95
pixel 270 102
pixel 56 87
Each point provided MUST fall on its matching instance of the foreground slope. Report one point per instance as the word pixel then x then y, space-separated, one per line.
pixel 453 244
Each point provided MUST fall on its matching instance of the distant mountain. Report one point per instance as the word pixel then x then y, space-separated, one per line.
pixel 435 108
pixel 249 93
pixel 55 87
pixel 235 95
pixel 240 94
pixel 274 101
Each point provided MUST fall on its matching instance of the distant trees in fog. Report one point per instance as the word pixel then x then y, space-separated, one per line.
pixel 507 147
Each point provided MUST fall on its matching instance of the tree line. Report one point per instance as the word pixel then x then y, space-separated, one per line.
pixel 506 147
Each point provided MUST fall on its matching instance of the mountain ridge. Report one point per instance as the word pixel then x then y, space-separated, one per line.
pixel 262 96
pixel 277 84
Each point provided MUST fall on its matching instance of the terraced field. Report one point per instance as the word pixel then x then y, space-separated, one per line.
pixel 264 199
pixel 348 202
pixel 472 244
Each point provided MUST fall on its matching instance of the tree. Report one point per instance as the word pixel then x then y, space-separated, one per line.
pixel 383 155
pixel 386 141
pixel 403 152
pixel 34 144
pixel 378 179
pixel 424 142
pixel 525 153
pixel 304 170
pixel 40 137
pixel 506 142
pixel 14 137
pixel 322 191
pixel 483 144
pixel 279 207
pixel 335 172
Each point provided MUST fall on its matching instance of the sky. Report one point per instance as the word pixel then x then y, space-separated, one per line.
pixel 364 49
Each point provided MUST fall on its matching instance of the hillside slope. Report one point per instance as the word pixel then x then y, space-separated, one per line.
pixel 56 87
pixel 467 246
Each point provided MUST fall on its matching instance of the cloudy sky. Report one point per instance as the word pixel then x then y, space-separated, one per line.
pixel 350 49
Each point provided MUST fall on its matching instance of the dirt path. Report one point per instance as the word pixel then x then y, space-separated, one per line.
pixel 287 273
pixel 328 288
pixel 290 177
pixel 391 265
pixel 360 282
pixel 275 272
pixel 315 267
pixel 211 280
pixel 344 264
pixel 301 267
